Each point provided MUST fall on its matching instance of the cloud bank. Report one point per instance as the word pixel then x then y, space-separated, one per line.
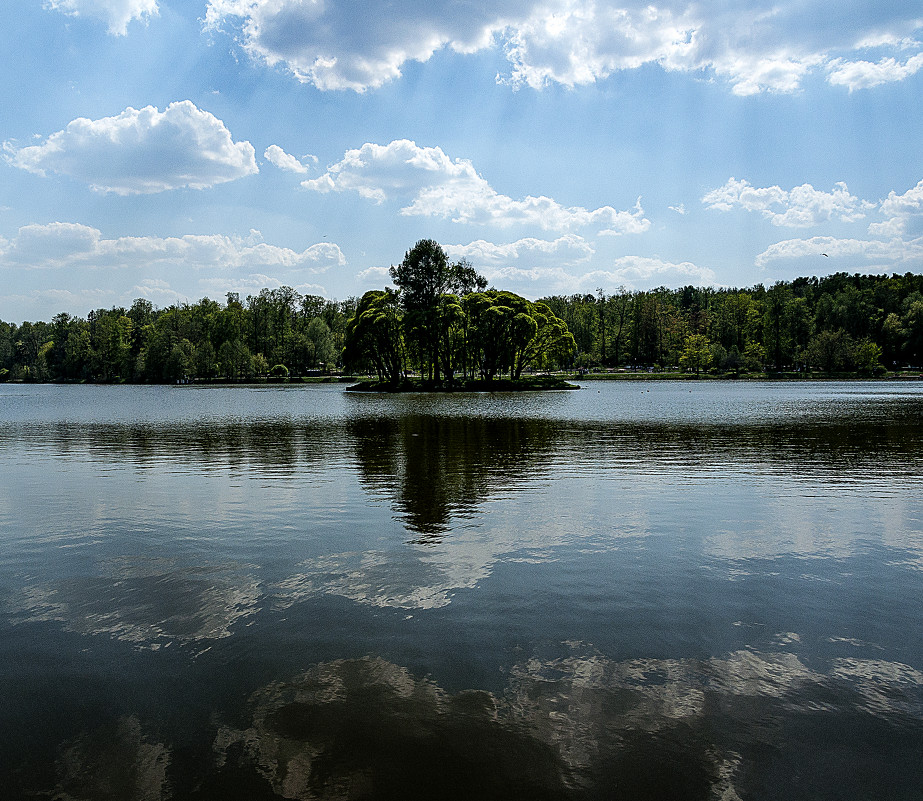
pixel 438 186
pixel 877 254
pixel 61 245
pixel 898 241
pixel 760 46
pixel 801 207
pixel 141 151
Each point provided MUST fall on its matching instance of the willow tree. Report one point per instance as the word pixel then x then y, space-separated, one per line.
pixel 507 333
pixel 375 335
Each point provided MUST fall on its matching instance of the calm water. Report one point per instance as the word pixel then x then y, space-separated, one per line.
pixel 634 591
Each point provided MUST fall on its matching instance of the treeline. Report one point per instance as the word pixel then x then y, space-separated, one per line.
pixel 442 322
pixel 841 323
pixel 278 331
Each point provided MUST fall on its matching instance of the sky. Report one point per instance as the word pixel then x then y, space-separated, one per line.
pixel 180 149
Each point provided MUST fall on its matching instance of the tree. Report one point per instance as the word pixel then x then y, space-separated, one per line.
pixel 830 351
pixel 697 353
pixel 375 335
pixel 549 339
pixel 867 358
pixel 423 278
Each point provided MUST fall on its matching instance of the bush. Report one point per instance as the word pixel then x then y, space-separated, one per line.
pixel 279 371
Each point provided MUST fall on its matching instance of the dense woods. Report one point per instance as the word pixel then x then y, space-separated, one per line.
pixel 838 324
pixel 442 322
pixel 275 332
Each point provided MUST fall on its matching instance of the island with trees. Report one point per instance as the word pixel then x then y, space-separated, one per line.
pixel 441 327
pixel 443 324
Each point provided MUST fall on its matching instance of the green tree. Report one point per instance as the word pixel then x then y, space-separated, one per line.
pixel 375 336
pixel 830 351
pixel 697 353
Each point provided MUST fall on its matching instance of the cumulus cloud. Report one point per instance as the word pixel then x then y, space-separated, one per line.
pixel 376 275
pixel 644 272
pixel 801 207
pixel 71 245
pixel 115 13
pixel 904 213
pixel 284 161
pixel 765 45
pixel 569 249
pixel 253 283
pixel 158 292
pixel 631 272
pixel 898 242
pixel 54 300
pixel 141 151
pixel 866 74
pixel 877 253
pixel 438 186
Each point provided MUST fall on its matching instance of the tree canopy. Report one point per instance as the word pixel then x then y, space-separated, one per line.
pixel 443 323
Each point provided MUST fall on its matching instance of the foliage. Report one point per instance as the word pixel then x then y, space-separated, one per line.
pixel 443 323
pixel 840 323
pixel 238 340
pixel 697 354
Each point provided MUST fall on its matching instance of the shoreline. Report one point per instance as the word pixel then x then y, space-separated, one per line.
pixel 560 381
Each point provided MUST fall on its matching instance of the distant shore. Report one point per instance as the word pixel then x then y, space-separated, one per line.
pixel 529 383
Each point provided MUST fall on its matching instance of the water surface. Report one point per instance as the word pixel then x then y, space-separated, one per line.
pixel 638 590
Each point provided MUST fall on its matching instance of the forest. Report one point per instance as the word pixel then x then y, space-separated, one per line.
pixel 441 322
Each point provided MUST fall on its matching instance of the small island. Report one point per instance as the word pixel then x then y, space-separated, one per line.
pixel 531 383
pixel 444 325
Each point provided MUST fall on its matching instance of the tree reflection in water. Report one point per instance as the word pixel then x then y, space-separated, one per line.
pixel 435 469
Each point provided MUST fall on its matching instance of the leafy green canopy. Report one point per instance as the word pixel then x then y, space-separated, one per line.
pixel 443 322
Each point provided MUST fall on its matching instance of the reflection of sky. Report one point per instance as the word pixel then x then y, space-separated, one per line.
pixel 587 708
pixel 566 726
pixel 734 577
pixel 150 603
pixel 281 481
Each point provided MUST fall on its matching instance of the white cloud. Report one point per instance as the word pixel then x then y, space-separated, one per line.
pixel 801 207
pixel 376 275
pixel 252 284
pixel 55 300
pixel 71 245
pixel 899 242
pixel 568 249
pixel 141 151
pixel 438 186
pixel 115 13
pixel 866 74
pixel 904 213
pixel 645 272
pixel 357 44
pixel 284 161
pixel 631 272
pixel 156 291
pixel 763 45
pixel 881 254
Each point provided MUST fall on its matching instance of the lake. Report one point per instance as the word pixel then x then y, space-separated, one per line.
pixel 638 590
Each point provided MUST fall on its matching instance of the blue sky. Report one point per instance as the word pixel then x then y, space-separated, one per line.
pixel 175 149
